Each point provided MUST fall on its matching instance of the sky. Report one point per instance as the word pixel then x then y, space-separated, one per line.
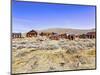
pixel 38 16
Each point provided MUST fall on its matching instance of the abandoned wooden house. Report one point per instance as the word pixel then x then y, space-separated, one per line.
pixel 16 35
pixel 63 36
pixel 32 33
pixel 47 34
pixel 71 36
pixel 54 37
pixel 91 35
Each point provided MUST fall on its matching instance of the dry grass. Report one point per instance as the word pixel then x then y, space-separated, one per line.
pixel 30 55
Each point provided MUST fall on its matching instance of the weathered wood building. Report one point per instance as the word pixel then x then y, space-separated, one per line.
pixel 54 37
pixel 47 34
pixel 91 35
pixel 71 37
pixel 63 36
pixel 31 33
pixel 16 35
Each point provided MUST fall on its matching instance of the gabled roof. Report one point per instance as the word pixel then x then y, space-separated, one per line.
pixel 32 31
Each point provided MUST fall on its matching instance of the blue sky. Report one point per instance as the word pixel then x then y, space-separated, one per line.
pixel 38 16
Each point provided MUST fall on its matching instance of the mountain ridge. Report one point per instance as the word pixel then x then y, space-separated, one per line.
pixel 68 30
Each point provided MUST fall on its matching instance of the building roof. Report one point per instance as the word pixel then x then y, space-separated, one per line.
pixel 90 33
pixel 16 33
pixel 32 31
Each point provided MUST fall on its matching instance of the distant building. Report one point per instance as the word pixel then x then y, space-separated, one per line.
pixel 47 34
pixel 91 35
pixel 16 35
pixel 71 36
pixel 32 33
pixel 63 36
pixel 54 37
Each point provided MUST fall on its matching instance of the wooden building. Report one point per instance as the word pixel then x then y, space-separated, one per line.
pixel 32 33
pixel 63 36
pixel 16 35
pixel 91 35
pixel 71 36
pixel 54 37
pixel 47 34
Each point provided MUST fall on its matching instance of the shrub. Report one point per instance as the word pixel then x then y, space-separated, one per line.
pixel 21 47
pixel 71 50
pixel 82 60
